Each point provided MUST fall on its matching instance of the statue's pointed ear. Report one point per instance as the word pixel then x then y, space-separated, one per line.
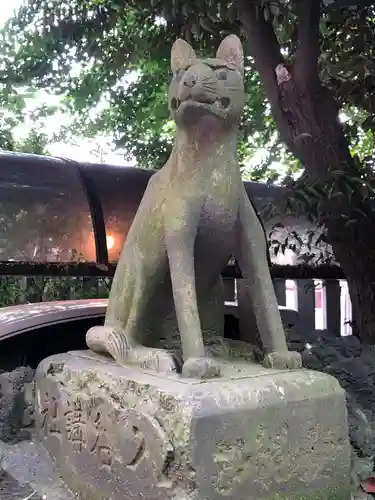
pixel 231 51
pixel 182 55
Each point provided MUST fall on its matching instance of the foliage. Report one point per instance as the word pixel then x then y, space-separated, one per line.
pixel 13 114
pixel 110 60
pixel 112 66
pixel 23 290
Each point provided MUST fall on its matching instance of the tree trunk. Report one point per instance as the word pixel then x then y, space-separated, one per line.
pixel 320 144
pixel 306 117
pixel 354 248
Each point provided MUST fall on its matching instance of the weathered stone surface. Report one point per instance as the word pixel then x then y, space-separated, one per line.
pixel 120 432
pixel 11 489
pixel 16 404
pixel 353 364
pixel 27 470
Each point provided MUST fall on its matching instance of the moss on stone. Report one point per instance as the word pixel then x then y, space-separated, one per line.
pixel 328 493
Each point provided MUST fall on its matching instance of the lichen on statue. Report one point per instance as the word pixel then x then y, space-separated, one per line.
pixel 194 215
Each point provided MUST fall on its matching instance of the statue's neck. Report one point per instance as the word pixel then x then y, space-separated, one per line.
pixel 205 143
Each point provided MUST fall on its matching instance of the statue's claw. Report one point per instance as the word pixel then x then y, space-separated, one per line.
pixel 201 368
pixel 288 360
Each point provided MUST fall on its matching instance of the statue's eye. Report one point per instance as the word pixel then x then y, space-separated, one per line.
pixel 179 74
pixel 221 75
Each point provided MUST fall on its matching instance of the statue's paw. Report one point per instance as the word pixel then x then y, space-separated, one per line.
pixel 201 368
pixel 105 340
pixel 157 360
pixel 289 360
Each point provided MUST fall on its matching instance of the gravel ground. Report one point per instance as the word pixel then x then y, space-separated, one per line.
pixel 11 489
pixel 28 470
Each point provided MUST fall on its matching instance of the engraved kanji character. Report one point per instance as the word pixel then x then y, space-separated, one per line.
pixel 48 409
pixel 76 426
pixel 97 446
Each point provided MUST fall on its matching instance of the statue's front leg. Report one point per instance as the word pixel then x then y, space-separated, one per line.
pixel 251 253
pixel 137 279
pixel 181 227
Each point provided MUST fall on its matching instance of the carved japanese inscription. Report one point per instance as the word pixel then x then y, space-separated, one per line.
pixel 105 433
pixel 47 407
pixel 75 424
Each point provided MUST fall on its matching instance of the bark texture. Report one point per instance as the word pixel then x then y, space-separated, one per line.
pixel 306 116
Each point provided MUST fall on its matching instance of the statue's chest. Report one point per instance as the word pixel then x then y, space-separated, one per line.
pixel 220 208
pixel 218 213
pixel 215 236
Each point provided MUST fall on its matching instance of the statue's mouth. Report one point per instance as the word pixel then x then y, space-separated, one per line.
pixel 222 103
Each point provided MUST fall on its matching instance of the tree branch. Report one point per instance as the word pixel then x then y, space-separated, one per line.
pixel 263 45
pixel 308 50
pixel 345 4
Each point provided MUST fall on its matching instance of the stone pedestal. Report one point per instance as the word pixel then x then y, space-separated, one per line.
pixel 118 432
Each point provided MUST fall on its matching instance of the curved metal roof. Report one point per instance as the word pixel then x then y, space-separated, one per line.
pixel 26 317
pixel 59 211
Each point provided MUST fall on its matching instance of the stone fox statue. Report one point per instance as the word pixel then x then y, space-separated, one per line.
pixel 194 215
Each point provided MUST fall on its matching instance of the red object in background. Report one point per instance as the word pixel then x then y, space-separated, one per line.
pixel 368 485
pixel 318 298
